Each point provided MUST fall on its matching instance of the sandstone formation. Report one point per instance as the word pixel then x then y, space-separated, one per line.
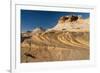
pixel 68 40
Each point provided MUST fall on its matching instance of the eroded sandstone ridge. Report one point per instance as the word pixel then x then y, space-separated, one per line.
pixel 68 40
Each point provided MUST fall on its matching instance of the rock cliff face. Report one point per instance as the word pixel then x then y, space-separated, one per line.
pixel 68 40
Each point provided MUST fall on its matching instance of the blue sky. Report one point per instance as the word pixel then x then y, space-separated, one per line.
pixel 31 19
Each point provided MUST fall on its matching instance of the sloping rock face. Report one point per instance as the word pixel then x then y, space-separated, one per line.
pixel 70 23
pixel 59 43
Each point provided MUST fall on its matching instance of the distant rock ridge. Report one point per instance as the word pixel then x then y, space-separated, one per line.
pixel 37 30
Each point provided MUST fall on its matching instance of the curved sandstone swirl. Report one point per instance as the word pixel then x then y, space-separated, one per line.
pixel 56 46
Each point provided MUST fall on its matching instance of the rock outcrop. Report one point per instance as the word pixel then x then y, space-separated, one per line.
pixel 68 40
pixel 72 23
